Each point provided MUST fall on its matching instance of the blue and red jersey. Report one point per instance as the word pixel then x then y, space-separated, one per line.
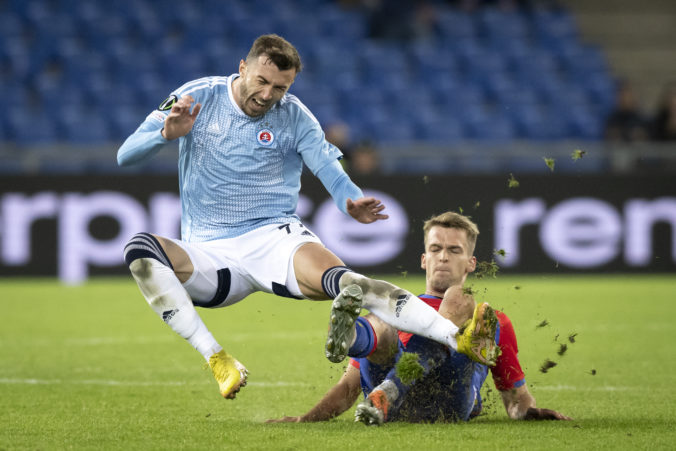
pixel 507 372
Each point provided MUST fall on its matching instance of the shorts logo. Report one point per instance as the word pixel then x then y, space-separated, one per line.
pixel 265 137
pixel 168 103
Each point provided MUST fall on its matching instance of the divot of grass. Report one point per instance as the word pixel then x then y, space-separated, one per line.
pixel 486 269
pixel 547 365
pixel 408 367
pixel 562 349
pixel 571 337
pixel 550 162
pixel 544 323
pixel 512 182
pixel 577 154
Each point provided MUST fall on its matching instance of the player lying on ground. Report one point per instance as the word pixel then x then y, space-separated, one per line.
pixel 448 388
pixel 243 141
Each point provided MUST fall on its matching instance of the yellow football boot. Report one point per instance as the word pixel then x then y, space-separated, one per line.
pixel 476 338
pixel 229 373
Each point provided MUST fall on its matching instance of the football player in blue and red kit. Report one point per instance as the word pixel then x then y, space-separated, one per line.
pixel 447 387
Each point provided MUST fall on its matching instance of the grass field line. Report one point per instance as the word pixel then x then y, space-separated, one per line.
pixel 241 336
pixel 109 382
pixel 264 384
pixel 168 338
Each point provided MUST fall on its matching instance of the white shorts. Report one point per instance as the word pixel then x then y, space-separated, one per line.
pixel 228 270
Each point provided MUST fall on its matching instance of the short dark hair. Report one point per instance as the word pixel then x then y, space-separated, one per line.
pixel 280 51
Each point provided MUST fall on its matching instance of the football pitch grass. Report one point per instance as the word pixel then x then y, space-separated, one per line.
pixel 92 367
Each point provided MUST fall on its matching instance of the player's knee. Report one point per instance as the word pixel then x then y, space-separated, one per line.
pixel 457 305
pixel 141 247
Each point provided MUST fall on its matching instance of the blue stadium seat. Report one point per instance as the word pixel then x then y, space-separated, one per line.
pixel 345 28
pixel 30 127
pixel 124 119
pixel 498 25
pixel 537 122
pixel 526 71
pixel 462 99
pixel 454 24
pixel 441 130
pixel 496 128
pixel 81 125
pixel 429 62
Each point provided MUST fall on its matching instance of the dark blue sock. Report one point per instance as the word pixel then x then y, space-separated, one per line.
pixel 365 341
pixel 331 279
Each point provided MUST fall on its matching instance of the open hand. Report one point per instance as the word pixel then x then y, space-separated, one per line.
pixel 534 413
pixel 180 120
pixel 366 209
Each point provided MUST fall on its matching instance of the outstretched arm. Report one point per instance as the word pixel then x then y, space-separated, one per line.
pixel 364 209
pixel 336 401
pixel 520 405
pixel 157 130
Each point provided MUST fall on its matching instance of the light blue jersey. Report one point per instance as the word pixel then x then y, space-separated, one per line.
pixel 237 173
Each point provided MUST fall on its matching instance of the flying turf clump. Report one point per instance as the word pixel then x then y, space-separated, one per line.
pixel 547 365
pixel 512 182
pixel 562 349
pixel 484 269
pixel 544 323
pixel 550 162
pixel 408 367
pixel 577 154
pixel 469 291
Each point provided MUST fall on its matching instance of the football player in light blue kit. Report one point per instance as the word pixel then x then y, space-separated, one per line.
pixel 242 145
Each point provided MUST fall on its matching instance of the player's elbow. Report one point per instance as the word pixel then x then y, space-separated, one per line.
pixel 122 160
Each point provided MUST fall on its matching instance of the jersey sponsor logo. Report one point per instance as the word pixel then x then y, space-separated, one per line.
pixel 265 137
pixel 168 103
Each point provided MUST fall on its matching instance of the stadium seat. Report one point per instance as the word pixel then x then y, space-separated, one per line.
pixel 81 125
pixel 507 73
pixel 455 24
pixel 30 127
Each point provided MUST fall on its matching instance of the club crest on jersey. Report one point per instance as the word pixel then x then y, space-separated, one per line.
pixel 265 137
pixel 168 103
